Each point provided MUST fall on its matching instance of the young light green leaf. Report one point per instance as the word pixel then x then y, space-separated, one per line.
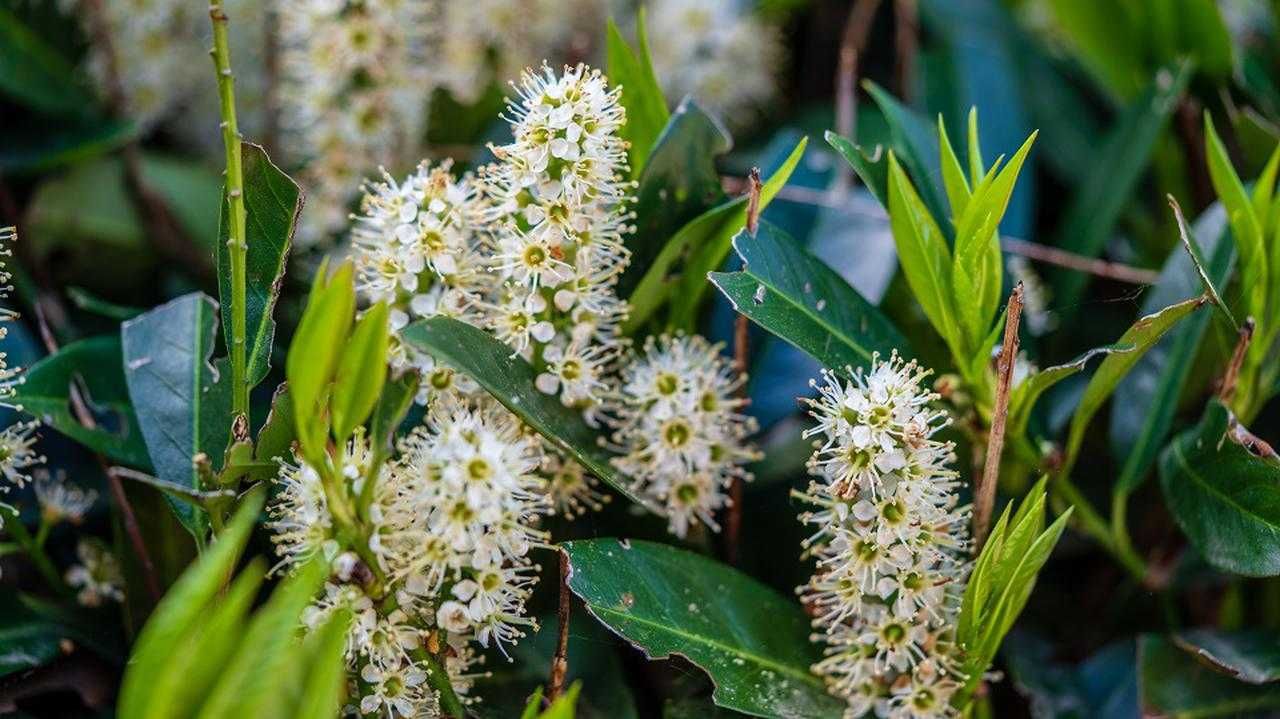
pixel 325 673
pixel 795 296
pixel 361 372
pixel 924 256
pixel 182 609
pixel 278 431
pixel 510 379
pixel 642 96
pixel 1223 488
pixel 953 176
pixel 1023 396
pixel 315 351
pixel 1245 229
pixel 914 145
pixel 1141 335
pixel 751 641
pixel 183 402
pixel 96 365
pixel 272 202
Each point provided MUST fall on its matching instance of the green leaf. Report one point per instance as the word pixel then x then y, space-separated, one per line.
pixel 752 642
pixel 564 706
pixel 178 614
pixel 915 145
pixel 1001 583
pixel 1105 39
pixel 642 96
pixel 35 74
pixel 708 234
pixel 1174 684
pixel 1147 399
pixel 1106 189
pixel 708 255
pixel 361 372
pixel 272 202
pixel 795 296
pixel 1252 655
pixel 924 256
pixel 1224 491
pixel 95 364
pixel 314 353
pixel 397 397
pixel 1023 396
pixel 325 685
pixel 680 182
pixel 1144 333
pixel 279 429
pixel 183 407
pixel 89 302
pixel 871 168
pixel 1246 230
pixel 509 378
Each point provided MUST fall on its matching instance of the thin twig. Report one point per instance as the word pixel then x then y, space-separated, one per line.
pixel 984 495
pixel 741 362
pixel 560 662
pixel 856 30
pixel 906 42
pixel 1237 359
pixel 85 417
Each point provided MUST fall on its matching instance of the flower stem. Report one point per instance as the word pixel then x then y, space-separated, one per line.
pixel 438 679
pixel 35 552
pixel 237 246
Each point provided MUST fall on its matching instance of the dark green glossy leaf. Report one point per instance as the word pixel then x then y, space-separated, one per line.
pixel 1224 491
pixel 915 143
pixel 680 181
pixel 1174 684
pixel 1113 175
pixel 641 94
pixel 870 167
pixel 798 298
pixel 272 202
pixel 183 407
pixel 35 74
pixel 278 430
pixel 97 364
pixel 1147 399
pixel 751 641
pixel 397 397
pixel 509 378
pixel 1144 333
pixel 1251 655
pixel 710 254
pixel 700 245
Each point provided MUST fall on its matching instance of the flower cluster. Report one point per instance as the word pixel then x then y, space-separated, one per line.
pixel 444 565
pixel 890 543
pixel 711 49
pixel 680 429
pixel 18 455
pixel 354 93
pixel 417 248
pixel 559 214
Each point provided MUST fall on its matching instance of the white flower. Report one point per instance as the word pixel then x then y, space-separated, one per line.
pixel 890 544
pixel 680 429
pixel 62 502
pixel 97 576
pixel 17 452
pixel 396 692
pixel 571 488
